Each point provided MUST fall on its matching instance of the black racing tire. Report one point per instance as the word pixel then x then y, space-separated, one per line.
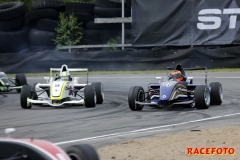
pixel 42 4
pixel 100 34
pixel 15 37
pixel 12 25
pixel 41 14
pixel 216 93
pixel 83 7
pixel 89 96
pixel 81 17
pixel 25 94
pixel 47 25
pixel 99 92
pixel 20 80
pixel 42 38
pixel 12 10
pixel 107 4
pixel 111 12
pixel 82 152
pixel 107 26
pixel 202 97
pixel 135 93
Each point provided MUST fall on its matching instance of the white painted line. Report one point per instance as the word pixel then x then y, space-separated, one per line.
pixel 144 130
pixel 137 77
pixel 110 136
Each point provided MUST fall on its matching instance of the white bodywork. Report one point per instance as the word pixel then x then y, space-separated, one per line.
pixel 61 91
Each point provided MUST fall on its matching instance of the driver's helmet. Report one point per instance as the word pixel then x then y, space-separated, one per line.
pixel 177 75
pixel 64 76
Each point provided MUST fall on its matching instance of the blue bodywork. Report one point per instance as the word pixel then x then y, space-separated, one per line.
pixel 165 89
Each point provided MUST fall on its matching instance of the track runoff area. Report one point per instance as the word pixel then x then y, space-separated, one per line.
pixel 113 122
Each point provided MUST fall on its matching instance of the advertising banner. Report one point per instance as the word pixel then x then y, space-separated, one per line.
pixel 185 22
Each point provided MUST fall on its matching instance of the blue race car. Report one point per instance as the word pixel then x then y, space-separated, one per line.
pixel 176 90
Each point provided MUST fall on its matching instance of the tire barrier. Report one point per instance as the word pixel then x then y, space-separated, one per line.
pixel 83 7
pixel 42 38
pixel 43 4
pixel 12 10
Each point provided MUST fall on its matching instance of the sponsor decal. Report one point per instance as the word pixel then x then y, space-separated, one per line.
pixel 167 84
pixel 57 85
pixel 164 96
pixel 210 18
pixel 211 151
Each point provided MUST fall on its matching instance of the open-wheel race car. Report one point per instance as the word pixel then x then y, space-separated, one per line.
pixel 8 84
pixel 176 90
pixel 36 149
pixel 62 90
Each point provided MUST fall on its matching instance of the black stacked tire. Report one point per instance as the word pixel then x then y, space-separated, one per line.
pixel 111 12
pixel 42 4
pixel 202 97
pixel 20 80
pixel 47 25
pixel 99 92
pixel 89 96
pixel 41 14
pixel 136 93
pixel 11 27
pixel 82 152
pixel 42 38
pixel 25 94
pixel 216 93
pixel 12 10
pixel 76 7
pixel 107 4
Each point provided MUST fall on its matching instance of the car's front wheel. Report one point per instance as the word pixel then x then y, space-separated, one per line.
pixel 82 152
pixel 136 93
pixel 25 95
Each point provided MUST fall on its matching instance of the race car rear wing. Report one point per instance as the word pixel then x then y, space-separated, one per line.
pixel 191 69
pixel 70 70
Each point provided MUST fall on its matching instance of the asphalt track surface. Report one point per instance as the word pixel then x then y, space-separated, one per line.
pixel 113 122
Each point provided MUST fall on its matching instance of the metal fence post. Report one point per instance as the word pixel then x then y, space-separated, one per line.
pixel 123 28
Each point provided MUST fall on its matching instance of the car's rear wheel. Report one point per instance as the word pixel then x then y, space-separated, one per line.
pixel 136 93
pixel 82 152
pixel 25 95
pixel 216 93
pixel 202 97
pixel 20 80
pixel 99 92
pixel 90 96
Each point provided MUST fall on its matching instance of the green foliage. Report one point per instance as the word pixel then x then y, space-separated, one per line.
pixel 69 31
pixel 112 42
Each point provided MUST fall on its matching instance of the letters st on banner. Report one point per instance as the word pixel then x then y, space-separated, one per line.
pixel 208 22
pixel 185 22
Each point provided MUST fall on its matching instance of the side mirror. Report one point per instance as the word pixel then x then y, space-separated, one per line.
pixel 159 78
